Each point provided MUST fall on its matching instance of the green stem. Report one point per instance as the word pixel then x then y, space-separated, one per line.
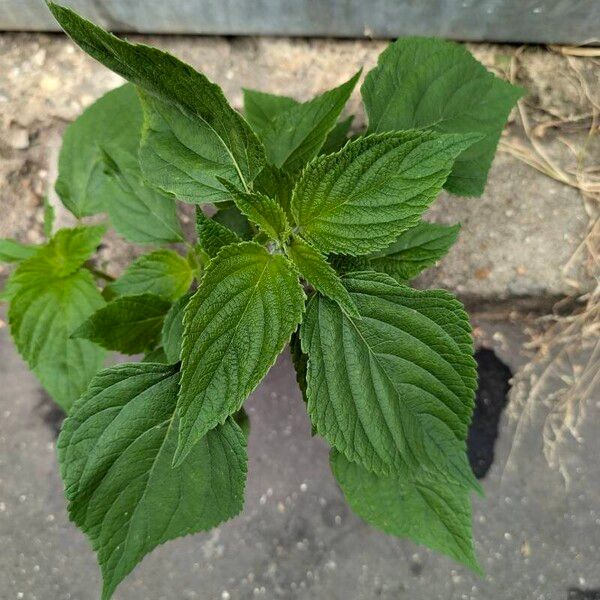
pixel 98 273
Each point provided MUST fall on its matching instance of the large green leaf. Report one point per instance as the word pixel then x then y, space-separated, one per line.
pixel 438 85
pixel 429 511
pixel 13 251
pixel 246 308
pixel 112 121
pixel 50 297
pixel 116 451
pixel 414 250
pixel 162 273
pixel 99 171
pixel 361 198
pixel 129 324
pixel 393 390
pixel 295 136
pixel 320 274
pixel 194 106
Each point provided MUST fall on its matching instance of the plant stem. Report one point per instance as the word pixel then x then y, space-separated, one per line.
pixel 98 273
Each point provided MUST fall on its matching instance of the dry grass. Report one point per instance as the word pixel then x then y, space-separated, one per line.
pixel 563 378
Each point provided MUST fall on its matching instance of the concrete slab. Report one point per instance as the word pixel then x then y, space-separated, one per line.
pixel 515 241
pixel 296 538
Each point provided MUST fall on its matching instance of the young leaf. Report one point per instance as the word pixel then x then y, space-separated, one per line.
pixel 343 263
pixel 360 199
pixel 246 308
pixel 195 107
pixel 50 297
pixel 295 136
pixel 233 219
pixel 161 273
pixel 395 389
pixel 262 211
pixel 129 324
pixel 13 251
pixel 99 171
pixel 70 248
pixel 429 511
pixel 414 250
pixel 276 183
pixel 212 236
pixel 172 332
pixel 320 274
pixel 438 85
pixel 115 452
pixel 260 108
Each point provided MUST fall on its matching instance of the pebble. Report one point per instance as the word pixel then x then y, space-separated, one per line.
pixel 17 138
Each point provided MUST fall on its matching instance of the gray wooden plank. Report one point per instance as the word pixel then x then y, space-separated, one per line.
pixel 534 21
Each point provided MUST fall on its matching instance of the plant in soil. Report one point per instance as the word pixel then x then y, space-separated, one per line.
pixel 313 234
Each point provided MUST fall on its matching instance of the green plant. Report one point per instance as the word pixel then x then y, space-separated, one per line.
pixel 156 449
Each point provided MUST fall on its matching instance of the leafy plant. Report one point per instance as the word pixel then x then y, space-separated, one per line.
pixel 314 238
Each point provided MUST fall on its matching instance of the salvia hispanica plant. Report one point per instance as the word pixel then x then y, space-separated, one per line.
pixel 313 240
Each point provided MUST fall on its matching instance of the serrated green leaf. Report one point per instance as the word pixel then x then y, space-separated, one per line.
pixel 212 235
pixel 262 211
pixel 49 217
pixel 99 171
pixel 50 297
pixel 320 274
pixel 129 324
pixel 13 251
pixel 343 263
pixel 360 199
pixel 172 332
pixel 295 136
pixel 161 273
pixel 199 105
pixel 247 306
pixel 116 451
pixel 395 389
pixel 438 85
pixel 414 250
pixel 184 155
pixel 276 183
pixel 428 511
